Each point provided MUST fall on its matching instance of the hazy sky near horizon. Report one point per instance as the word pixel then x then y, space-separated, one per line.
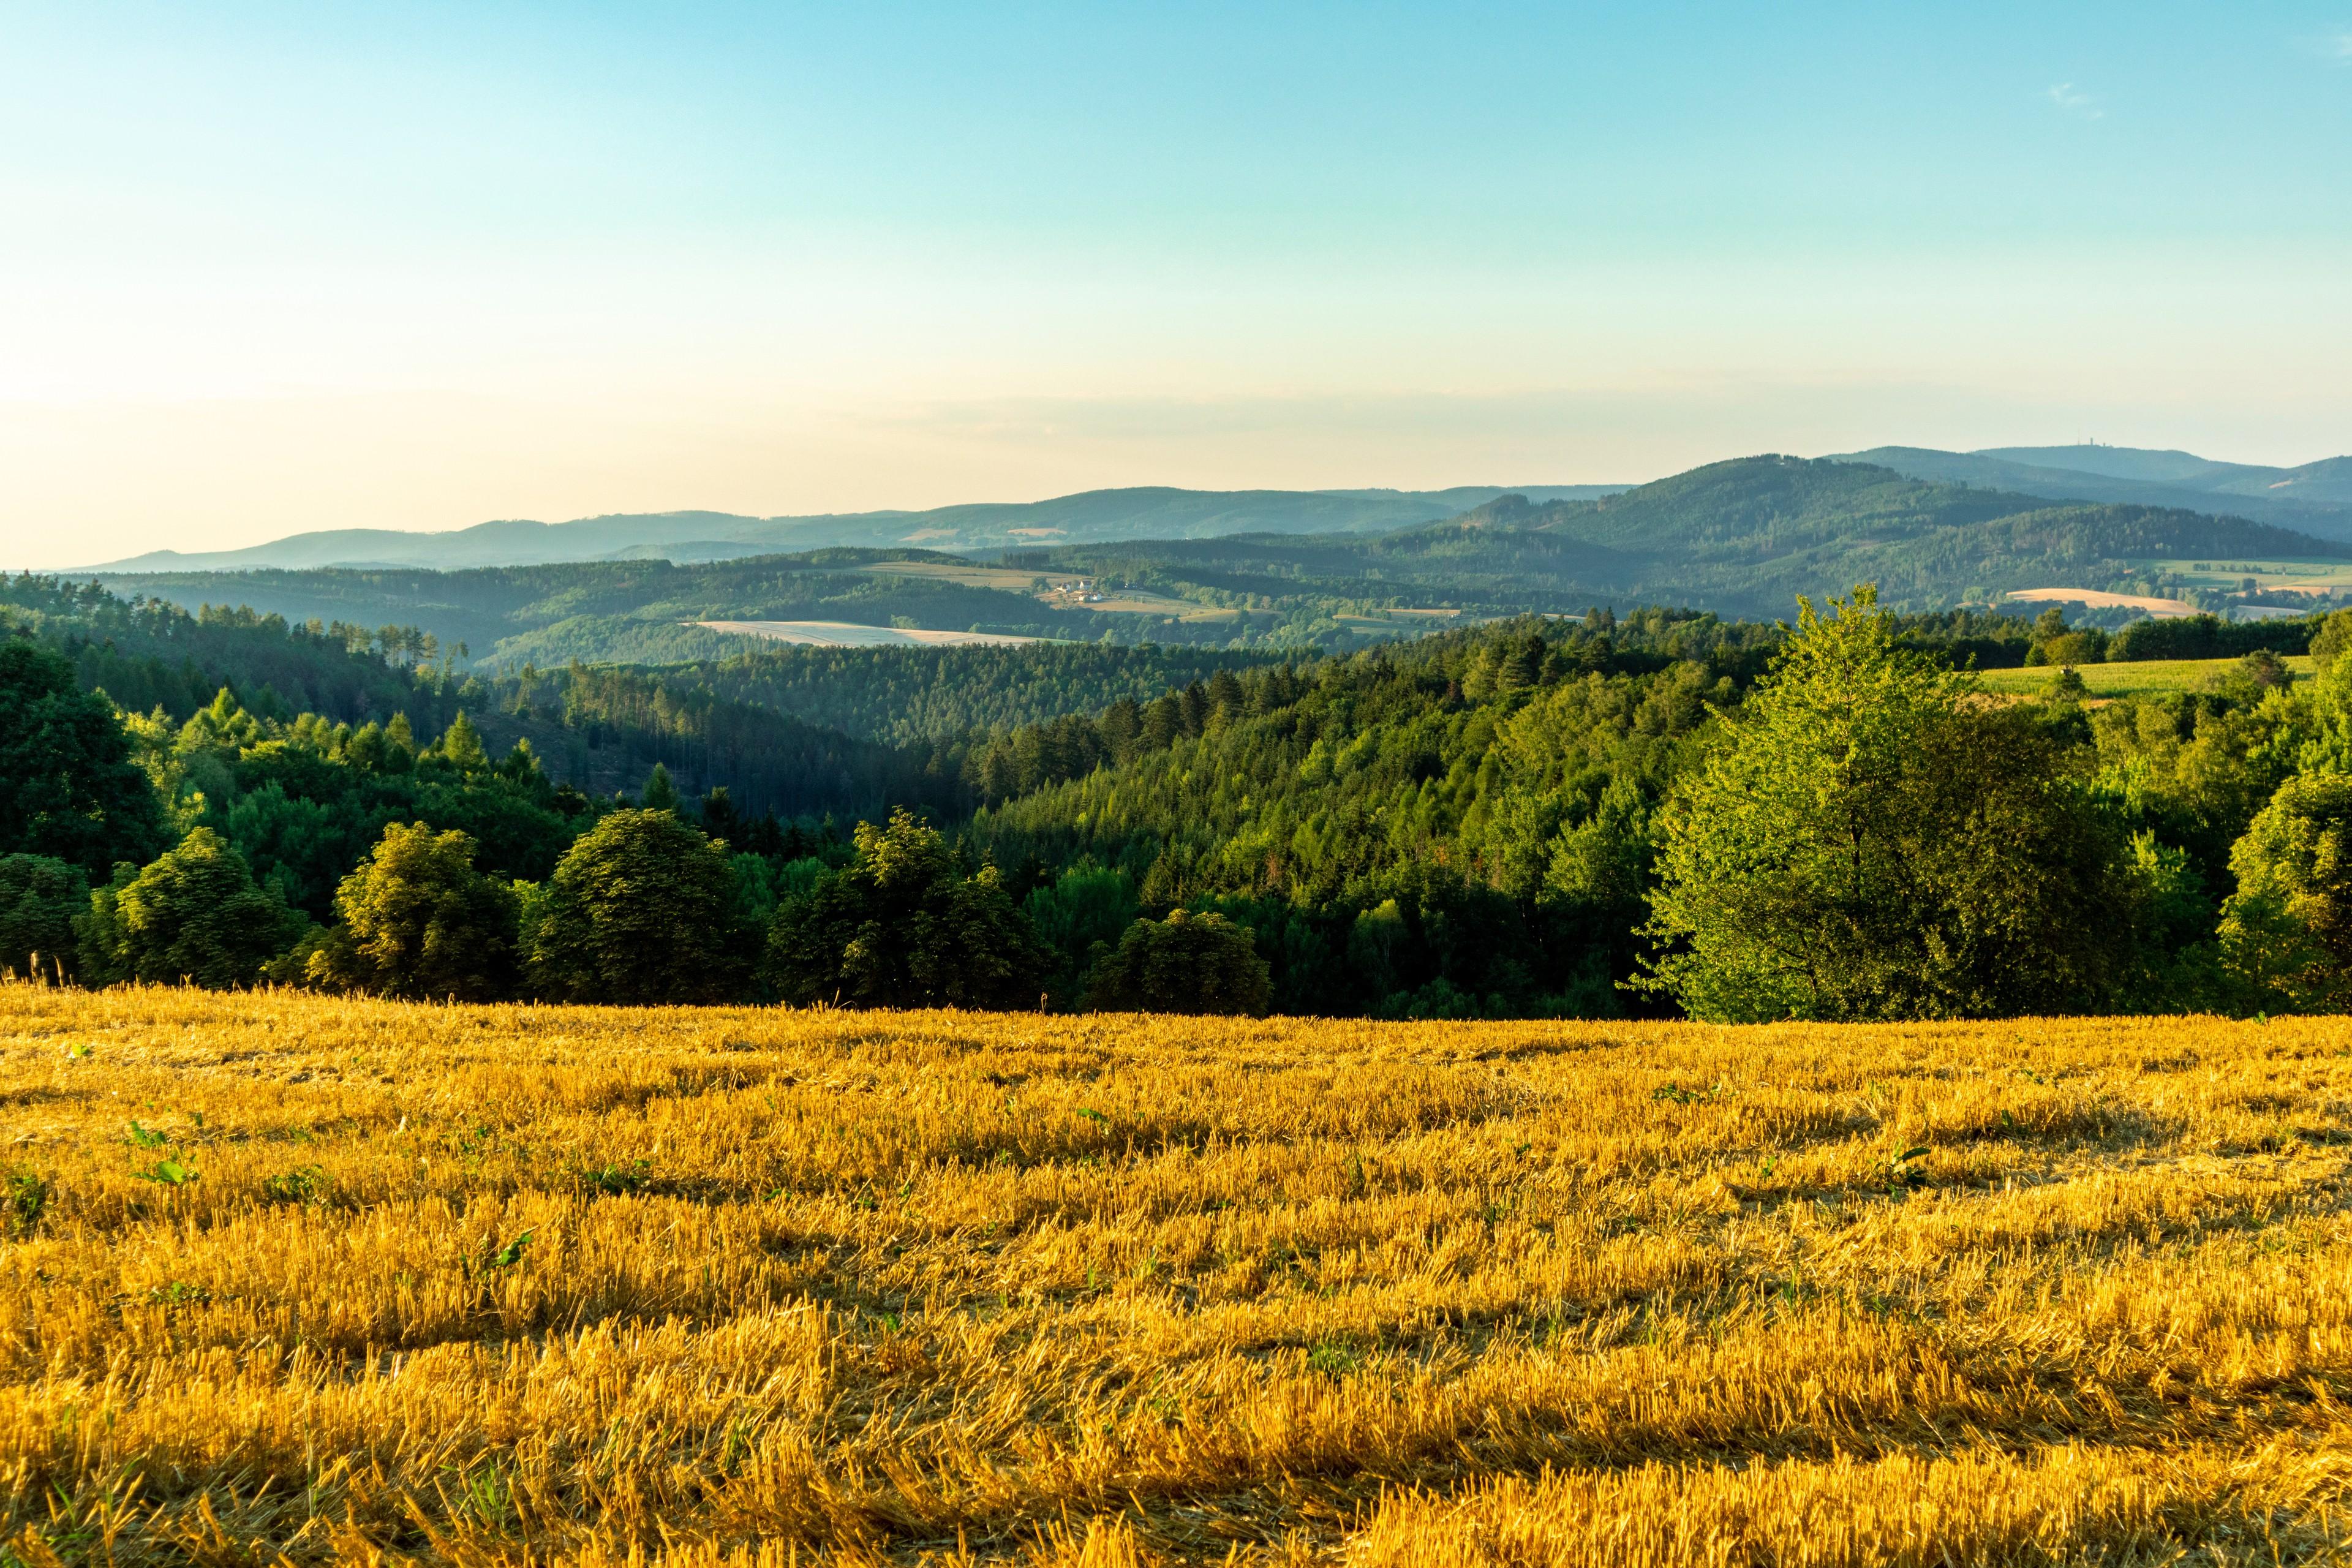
pixel 270 268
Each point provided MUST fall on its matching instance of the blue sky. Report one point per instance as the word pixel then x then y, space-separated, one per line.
pixel 269 268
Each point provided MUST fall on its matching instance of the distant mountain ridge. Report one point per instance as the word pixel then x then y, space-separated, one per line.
pixel 1740 537
pixel 2315 497
pixel 1091 516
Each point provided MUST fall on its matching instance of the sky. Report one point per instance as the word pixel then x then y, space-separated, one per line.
pixel 272 268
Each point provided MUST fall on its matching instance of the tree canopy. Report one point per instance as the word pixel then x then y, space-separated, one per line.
pixel 417 920
pixel 41 900
pixel 195 914
pixel 68 787
pixel 2287 929
pixel 1185 964
pixel 1872 839
pixel 642 908
pixel 904 926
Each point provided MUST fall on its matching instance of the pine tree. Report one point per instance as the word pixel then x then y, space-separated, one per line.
pixel 660 793
pixel 461 745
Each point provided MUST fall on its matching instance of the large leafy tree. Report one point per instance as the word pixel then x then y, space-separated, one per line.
pixel 642 909
pixel 2287 931
pixel 195 914
pixel 417 920
pixel 68 788
pixel 1185 964
pixel 1871 838
pixel 904 926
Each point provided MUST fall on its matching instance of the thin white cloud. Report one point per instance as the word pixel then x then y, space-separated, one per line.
pixel 2330 48
pixel 2072 101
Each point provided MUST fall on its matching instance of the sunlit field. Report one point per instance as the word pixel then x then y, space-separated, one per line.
pixel 2140 678
pixel 323 1281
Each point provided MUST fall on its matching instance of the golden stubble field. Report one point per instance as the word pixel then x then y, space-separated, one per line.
pixel 295 1278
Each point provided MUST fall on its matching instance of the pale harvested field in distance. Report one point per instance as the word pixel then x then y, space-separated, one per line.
pixel 2099 599
pixel 304 1281
pixel 2142 677
pixel 845 633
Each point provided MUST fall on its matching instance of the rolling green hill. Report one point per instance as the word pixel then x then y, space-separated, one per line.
pixel 1135 512
pixel 1742 538
pixel 2315 499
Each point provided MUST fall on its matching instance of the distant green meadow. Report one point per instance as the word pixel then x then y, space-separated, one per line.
pixel 2150 678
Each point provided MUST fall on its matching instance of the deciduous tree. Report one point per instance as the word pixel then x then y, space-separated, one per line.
pixel 1185 964
pixel 40 899
pixel 2287 931
pixel 903 926
pixel 1871 838
pixel 194 913
pixel 640 909
pixel 417 920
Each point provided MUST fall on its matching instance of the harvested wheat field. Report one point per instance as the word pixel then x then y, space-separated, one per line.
pixel 300 1280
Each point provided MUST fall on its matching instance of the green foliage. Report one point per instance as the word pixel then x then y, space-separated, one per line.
pixel 2209 637
pixel 2335 635
pixel 1185 964
pixel 194 913
pixel 2328 746
pixel 40 899
pixel 461 746
pixel 910 695
pixel 903 925
pixel 634 719
pixel 2286 932
pixel 417 920
pixel 146 654
pixel 642 909
pixel 304 800
pixel 1078 916
pixel 660 793
pixel 1394 845
pixel 354 694
pixel 303 1184
pixel 68 788
pixel 1462 825
pixel 26 1199
pixel 1872 840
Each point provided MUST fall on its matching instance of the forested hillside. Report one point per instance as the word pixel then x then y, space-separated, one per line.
pixel 1492 821
pixel 1469 825
pixel 1739 538
pixel 624 612
pixel 598 731
pixel 910 695
pixel 2314 499
pixel 149 654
